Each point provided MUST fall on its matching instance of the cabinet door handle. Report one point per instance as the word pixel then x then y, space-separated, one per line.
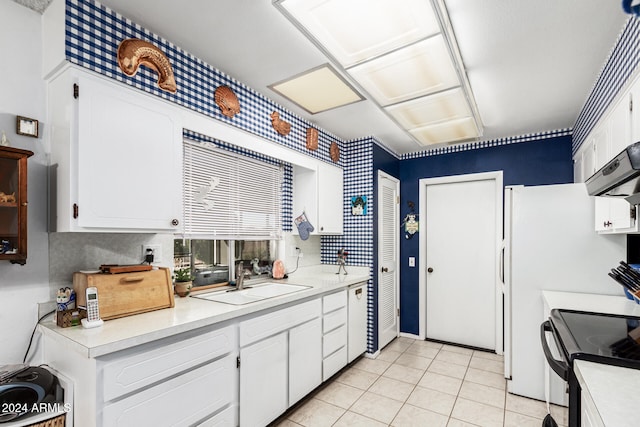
pixel 175 222
pixel 384 269
pixel 607 224
pixel 429 270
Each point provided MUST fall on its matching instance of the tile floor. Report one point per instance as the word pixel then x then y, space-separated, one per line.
pixel 420 383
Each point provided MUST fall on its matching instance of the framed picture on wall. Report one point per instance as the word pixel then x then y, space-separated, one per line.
pixel 26 126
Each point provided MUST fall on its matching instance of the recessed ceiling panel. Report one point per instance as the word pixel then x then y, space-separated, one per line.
pixel 450 131
pixel 438 107
pixel 317 90
pixel 414 71
pixel 354 30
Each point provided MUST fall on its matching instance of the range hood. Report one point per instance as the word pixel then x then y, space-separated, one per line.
pixel 620 177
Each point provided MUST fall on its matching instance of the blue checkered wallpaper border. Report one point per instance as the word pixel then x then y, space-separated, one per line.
pixel 357 239
pixel 620 65
pixel 93 33
pixel 486 144
pixel 287 183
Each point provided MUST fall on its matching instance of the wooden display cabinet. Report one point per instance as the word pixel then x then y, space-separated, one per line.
pixel 13 204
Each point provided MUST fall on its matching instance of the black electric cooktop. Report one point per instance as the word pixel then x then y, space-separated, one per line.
pixel 604 338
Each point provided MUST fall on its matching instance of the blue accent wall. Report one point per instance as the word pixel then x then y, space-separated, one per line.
pixel 541 162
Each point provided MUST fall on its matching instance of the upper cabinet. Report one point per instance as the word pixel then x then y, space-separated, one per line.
pixel 618 128
pixel 319 193
pixel 13 204
pixel 116 157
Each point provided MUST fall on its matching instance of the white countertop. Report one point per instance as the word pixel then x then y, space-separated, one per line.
pixel 614 390
pixel 612 304
pixel 192 313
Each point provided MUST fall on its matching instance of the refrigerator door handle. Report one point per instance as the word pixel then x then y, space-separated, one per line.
pixel 501 265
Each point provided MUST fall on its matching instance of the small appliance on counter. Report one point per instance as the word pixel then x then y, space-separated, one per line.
pixel 27 389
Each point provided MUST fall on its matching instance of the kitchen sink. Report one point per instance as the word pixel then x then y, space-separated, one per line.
pixel 253 294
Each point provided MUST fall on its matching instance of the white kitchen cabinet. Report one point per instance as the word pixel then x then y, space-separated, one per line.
pixel 589 416
pixel 178 380
pixel 602 145
pixel 116 156
pixel 305 360
pixel 335 333
pixel 619 122
pixel 319 193
pixel 263 381
pixel 280 361
pixel 179 401
pixel 614 215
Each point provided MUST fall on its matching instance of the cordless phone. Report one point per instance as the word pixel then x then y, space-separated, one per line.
pixel 93 311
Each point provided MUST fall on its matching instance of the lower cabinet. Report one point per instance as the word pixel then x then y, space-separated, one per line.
pixel 180 401
pixel 263 381
pixel 280 361
pixel 305 363
pixel 246 373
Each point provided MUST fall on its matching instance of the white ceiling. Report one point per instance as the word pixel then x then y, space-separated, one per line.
pixel 531 64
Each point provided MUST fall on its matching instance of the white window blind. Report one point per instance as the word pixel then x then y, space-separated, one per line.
pixel 230 196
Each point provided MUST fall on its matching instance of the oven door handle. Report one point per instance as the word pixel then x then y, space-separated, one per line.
pixel 559 367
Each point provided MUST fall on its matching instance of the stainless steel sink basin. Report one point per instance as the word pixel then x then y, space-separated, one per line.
pixel 253 294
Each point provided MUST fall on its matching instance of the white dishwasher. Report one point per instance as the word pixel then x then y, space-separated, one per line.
pixel 357 338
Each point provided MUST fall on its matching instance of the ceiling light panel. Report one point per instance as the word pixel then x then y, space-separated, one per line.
pixel 356 30
pixel 317 90
pixel 420 69
pixel 450 131
pixel 448 105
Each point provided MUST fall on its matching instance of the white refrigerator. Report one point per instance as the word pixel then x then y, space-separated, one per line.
pixel 550 244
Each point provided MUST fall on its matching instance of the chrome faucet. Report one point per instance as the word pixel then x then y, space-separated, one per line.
pixel 239 276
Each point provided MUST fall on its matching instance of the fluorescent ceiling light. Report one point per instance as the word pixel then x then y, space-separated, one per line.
pixel 416 70
pixel 402 55
pixel 450 131
pixel 317 90
pixel 356 30
pixel 443 106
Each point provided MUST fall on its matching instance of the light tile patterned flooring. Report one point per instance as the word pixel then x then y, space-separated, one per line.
pixel 420 383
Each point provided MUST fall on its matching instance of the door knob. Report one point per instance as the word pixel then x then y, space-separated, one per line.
pixel 429 270
pixel 384 269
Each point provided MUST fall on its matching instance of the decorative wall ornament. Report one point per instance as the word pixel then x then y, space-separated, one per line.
pixel 227 101
pixel 359 205
pixel 202 192
pixel 410 223
pixel 132 53
pixel 312 139
pixel 282 127
pixel 334 152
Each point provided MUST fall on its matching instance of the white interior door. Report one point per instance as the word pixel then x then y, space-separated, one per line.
pixel 388 254
pixel 461 270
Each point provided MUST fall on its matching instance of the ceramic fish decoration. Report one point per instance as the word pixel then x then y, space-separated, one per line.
pixel 132 53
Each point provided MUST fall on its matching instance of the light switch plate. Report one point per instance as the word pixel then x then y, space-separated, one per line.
pixel 412 261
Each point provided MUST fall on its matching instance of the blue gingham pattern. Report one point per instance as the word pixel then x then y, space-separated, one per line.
pixel 358 229
pixel 287 183
pixel 486 144
pixel 620 65
pixel 93 33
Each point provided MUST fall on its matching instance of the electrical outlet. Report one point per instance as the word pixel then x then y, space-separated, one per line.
pixel 155 250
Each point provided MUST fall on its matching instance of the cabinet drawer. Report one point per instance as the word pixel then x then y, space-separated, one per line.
pixel 334 319
pixel 334 340
pixel 204 390
pixel 260 327
pixel 334 363
pixel 227 418
pixel 334 301
pixel 125 374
